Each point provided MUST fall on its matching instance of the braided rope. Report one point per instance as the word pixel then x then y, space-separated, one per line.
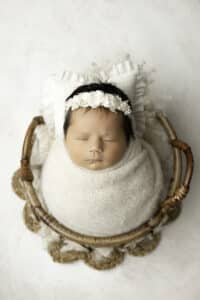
pixel 17 185
pixel 30 218
pixel 116 257
pixel 145 246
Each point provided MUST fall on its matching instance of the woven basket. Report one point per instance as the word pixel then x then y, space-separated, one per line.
pixel 146 236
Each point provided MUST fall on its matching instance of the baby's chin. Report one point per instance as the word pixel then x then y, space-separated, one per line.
pixel 97 165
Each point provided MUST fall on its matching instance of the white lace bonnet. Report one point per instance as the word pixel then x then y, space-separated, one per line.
pixel 128 76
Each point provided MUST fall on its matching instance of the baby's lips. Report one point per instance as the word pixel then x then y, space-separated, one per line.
pixel 94 160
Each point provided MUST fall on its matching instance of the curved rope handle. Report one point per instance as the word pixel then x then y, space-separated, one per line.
pixel 26 173
pixel 183 189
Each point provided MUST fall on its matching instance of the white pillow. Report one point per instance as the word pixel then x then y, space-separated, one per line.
pixel 128 76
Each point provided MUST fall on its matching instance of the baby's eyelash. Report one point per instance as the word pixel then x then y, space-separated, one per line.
pixel 109 140
pixel 105 140
pixel 82 139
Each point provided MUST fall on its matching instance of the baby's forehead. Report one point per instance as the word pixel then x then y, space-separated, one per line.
pixel 84 113
pixel 99 118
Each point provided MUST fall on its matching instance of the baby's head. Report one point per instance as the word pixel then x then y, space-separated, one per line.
pixel 96 138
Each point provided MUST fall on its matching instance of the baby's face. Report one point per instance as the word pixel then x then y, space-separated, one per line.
pixel 95 139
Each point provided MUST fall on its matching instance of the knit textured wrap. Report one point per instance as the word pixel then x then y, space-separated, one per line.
pixel 103 202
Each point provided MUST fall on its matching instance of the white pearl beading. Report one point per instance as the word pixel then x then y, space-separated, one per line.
pixel 97 98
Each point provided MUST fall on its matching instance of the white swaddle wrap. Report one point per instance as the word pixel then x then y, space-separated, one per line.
pixel 102 202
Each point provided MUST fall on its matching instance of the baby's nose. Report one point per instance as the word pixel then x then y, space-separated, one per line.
pixel 96 146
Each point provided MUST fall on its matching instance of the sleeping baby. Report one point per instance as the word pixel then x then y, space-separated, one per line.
pixel 100 178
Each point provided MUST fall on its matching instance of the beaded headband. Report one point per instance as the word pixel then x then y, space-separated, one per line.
pixel 99 94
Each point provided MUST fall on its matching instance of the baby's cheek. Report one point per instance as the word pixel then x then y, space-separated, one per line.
pixel 114 153
pixel 74 151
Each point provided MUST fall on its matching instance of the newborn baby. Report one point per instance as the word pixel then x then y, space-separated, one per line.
pixel 96 138
pixel 100 179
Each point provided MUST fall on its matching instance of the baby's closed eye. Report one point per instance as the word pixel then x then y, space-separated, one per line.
pixel 110 139
pixel 82 138
pixel 105 139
